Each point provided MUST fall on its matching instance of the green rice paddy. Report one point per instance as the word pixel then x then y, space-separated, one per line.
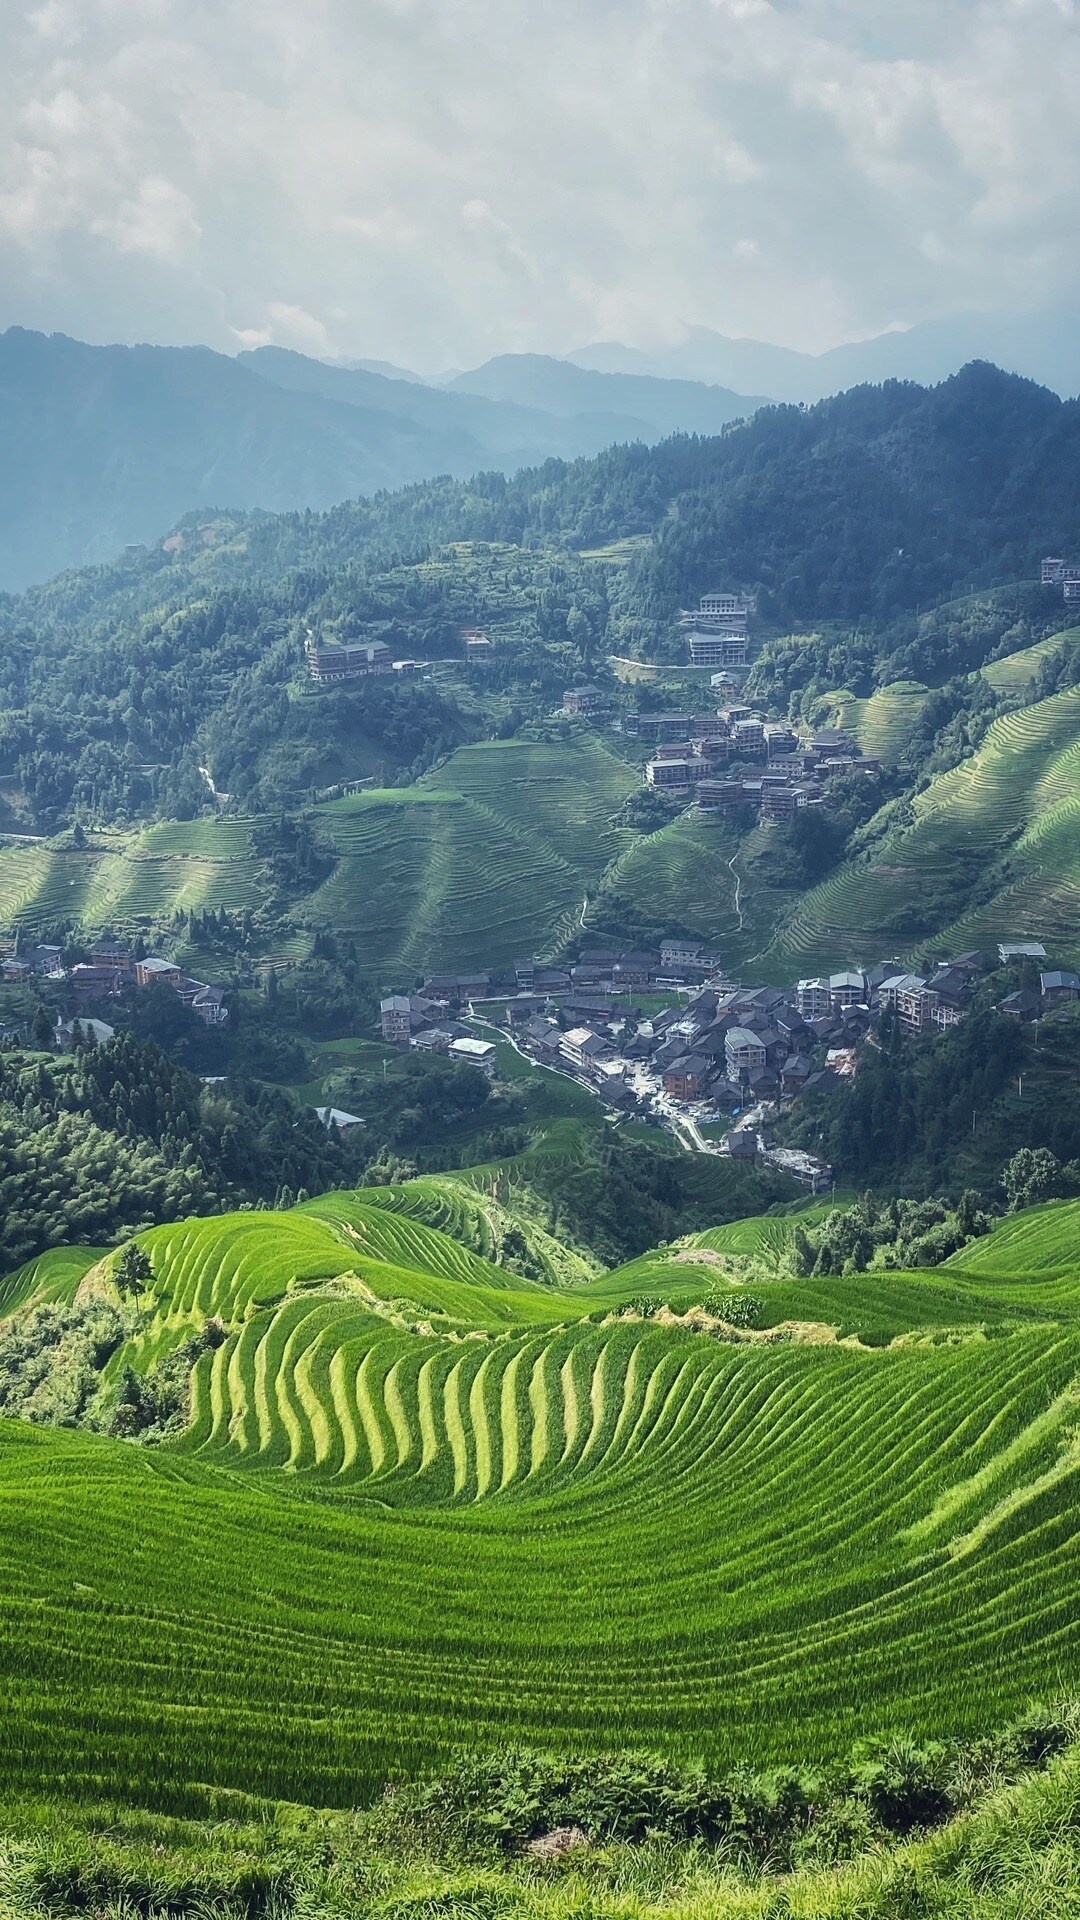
pixel 423 1503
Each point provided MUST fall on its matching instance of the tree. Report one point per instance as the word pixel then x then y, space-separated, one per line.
pixel 133 1271
pixel 43 1030
pixel 1032 1174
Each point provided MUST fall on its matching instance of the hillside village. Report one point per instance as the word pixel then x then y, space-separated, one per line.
pixel 719 1051
pixel 112 970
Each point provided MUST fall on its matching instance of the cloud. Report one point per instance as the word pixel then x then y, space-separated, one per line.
pixel 432 181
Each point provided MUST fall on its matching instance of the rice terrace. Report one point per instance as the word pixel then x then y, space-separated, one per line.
pixel 488 1509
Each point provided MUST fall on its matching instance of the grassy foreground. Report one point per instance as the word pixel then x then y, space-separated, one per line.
pixel 1015 1856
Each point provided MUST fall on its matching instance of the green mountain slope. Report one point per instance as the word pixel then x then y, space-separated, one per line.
pixel 421 1501
pixel 999 831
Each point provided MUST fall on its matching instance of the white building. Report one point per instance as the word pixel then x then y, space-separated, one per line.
pixel 813 998
pixel 474 1053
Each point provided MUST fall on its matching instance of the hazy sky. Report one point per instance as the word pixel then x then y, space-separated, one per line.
pixel 434 181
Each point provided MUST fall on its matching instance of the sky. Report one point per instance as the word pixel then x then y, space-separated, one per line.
pixel 436 181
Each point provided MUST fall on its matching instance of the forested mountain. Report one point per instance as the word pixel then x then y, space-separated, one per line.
pixel 108 446
pixel 847 518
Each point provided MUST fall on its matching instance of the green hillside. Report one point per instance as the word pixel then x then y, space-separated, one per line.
pixel 487 858
pixel 999 830
pixel 422 1502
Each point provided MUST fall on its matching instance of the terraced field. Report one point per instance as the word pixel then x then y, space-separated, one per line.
pixel 421 1501
pixel 1015 671
pixel 486 859
pixel 1004 821
pixel 882 723
pixel 126 882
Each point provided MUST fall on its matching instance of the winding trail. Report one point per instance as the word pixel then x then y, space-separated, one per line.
pixel 738 890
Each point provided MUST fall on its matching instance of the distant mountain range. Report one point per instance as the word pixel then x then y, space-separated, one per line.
pixel 108 446
pixel 1043 346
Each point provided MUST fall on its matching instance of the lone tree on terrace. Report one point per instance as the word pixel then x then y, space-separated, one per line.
pixel 133 1271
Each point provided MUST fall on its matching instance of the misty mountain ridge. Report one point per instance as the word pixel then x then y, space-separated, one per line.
pixel 1044 346
pixel 109 446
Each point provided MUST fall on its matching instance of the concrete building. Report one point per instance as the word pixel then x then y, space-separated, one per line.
pixel 153 969
pixel 431 1040
pixel 474 1053
pixel 909 996
pixel 743 1053
pixel 208 1005
pixel 718 796
pixel 675 775
pixel 813 998
pixel 395 1019
pixel 847 990
pixel 583 700
pixel 718 649
pixel 357 660
pixel 1010 950
pixel 582 1047
pixel 748 734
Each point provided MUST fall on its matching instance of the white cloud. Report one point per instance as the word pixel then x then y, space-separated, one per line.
pixel 436 180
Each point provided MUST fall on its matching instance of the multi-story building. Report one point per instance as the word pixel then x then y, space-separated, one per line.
pixel 779 738
pixel 748 734
pixel 583 700
pixel 153 969
pixel 718 649
pixel 686 1077
pixel 846 990
pixel 675 776
pixel 813 998
pixel 658 726
pixel 721 613
pixel 395 1019
pixel 583 1048
pixel 744 1053
pixel 718 796
pixel 913 1002
pixel 354 661
pixel 474 1053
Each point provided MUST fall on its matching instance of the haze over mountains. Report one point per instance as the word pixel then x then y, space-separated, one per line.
pixel 1044 346
pixel 109 445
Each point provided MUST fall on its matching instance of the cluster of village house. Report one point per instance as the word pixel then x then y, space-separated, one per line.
pixel 731 757
pixel 726 1050
pixel 111 968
